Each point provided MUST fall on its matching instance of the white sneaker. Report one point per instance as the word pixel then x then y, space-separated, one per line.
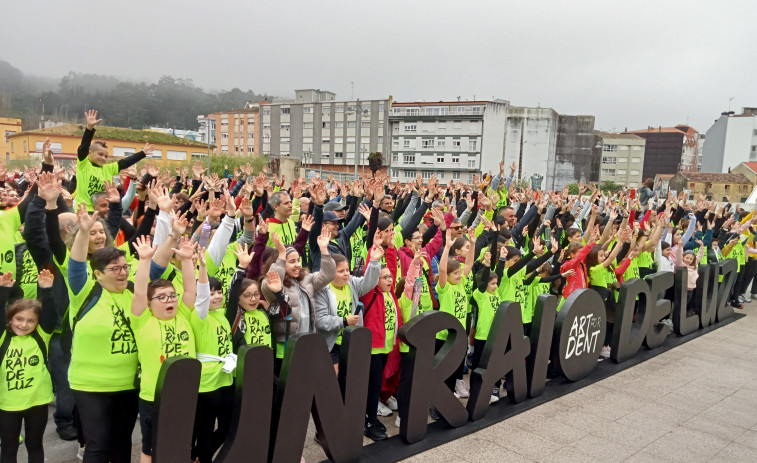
pixel 461 390
pixel 391 402
pixel 397 421
pixel 383 410
pixel 80 452
pixel 747 297
pixel 493 399
pixel 605 353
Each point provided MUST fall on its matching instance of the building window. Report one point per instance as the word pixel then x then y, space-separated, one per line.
pixel 307 110
pixel 266 111
pixel 409 174
pixel 634 172
pixel 455 175
pixel 472 145
pixel 284 110
pixel 307 125
pixel 471 163
pixel 266 126
pixel 426 174
pixel 440 143
pixel 326 140
pixel 395 157
pixel 470 178
pixel 408 159
pixel 474 126
pixel 395 173
pixel 709 185
pixel 24 147
pixel 339 109
pixel 455 160
pixel 406 143
pixel 636 148
pixel 339 125
pixel 608 160
pixel 326 125
pixel 365 125
pixel 610 148
pixel 350 139
pixel 351 124
pixel 325 155
pixel 338 155
pixel 636 160
pixel 411 127
pixel 325 110
pixel 621 172
pixel 691 185
pixel 608 171
pixel 284 126
pixel 456 144
pixel 284 139
pixel 440 159
pixel 380 140
pixel 427 144
pixel 224 135
pixel 381 107
pixel 250 149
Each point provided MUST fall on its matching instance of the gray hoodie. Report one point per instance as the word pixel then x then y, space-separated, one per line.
pixel 327 322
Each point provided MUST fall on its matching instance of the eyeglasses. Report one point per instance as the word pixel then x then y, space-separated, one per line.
pixel 250 296
pixel 456 228
pixel 166 297
pixel 387 277
pixel 116 269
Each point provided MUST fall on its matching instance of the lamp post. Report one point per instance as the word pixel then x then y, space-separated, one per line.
pixel 358 139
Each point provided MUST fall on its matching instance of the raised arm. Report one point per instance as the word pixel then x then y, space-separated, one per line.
pixel 184 253
pixel 443 261
pixel 48 318
pixel 83 151
pixel 145 250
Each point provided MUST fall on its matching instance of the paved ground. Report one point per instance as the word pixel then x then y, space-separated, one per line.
pixel 696 402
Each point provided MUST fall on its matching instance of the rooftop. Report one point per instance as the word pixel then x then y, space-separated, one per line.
pixel 751 166
pixel 116 133
pixel 437 103
pixel 617 135
pixel 712 177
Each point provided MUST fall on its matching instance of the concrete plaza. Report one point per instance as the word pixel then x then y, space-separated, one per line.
pixel 695 402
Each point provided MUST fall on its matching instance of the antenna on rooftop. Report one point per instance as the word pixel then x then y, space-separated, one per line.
pixel 352 90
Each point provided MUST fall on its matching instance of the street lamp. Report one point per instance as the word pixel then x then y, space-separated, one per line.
pixel 358 139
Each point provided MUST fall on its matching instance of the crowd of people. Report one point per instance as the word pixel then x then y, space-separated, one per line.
pixel 111 268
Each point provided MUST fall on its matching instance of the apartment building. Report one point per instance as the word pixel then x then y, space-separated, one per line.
pixel 8 126
pixel 450 139
pixel 232 132
pixel 669 150
pixel 731 140
pixel 326 134
pixel 622 158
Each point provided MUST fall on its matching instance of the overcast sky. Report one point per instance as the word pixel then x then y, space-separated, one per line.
pixel 631 64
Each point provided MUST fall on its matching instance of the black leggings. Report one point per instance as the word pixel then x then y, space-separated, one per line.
pixel 375 379
pixel 211 406
pixel 35 422
pixel 108 420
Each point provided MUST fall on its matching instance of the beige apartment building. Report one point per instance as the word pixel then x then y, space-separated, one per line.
pixel 622 158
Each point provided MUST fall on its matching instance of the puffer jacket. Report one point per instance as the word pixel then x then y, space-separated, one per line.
pixel 300 295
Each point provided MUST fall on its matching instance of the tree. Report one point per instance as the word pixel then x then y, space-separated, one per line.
pixel 611 186
pixel 375 162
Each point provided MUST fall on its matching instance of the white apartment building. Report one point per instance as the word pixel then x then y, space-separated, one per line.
pixel 622 158
pixel 731 140
pixel 450 139
pixel 323 132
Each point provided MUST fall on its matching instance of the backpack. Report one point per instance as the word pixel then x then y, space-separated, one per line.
pixel 37 338
pixel 91 300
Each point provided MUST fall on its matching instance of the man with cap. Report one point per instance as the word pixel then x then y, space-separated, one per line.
pixel 337 208
pixel 328 219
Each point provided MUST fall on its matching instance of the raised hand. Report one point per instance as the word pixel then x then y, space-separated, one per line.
pixel 144 247
pixel 6 280
pixel 244 256
pixel 278 244
pixel 555 247
pixel 148 149
pixel 91 117
pixel 569 273
pixel 86 222
pixel 365 211
pixel 323 241
pixel 48 187
pixel 262 226
pixel 487 261
pixel 179 224
pixel 45 279
pixel 273 281
pixel 245 207
pixel 111 192
pixel 197 170
pixel 377 252
pixel 47 153
pixel 216 208
pixel 307 223
pixel 538 247
pixel 186 249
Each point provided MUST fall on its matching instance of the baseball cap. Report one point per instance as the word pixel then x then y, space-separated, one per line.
pixel 333 206
pixel 329 216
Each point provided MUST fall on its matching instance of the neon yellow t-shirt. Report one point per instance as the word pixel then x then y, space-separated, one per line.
pixel 89 181
pixel 487 305
pixel 159 339
pixel 103 352
pixel 226 270
pixel 453 300
pixel 390 325
pixel 256 327
pixel 27 382
pixel 343 305
pixel 212 336
pixel 10 221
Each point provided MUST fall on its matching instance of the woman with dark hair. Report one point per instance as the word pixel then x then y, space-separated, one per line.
pixel 23 352
pixel 104 361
